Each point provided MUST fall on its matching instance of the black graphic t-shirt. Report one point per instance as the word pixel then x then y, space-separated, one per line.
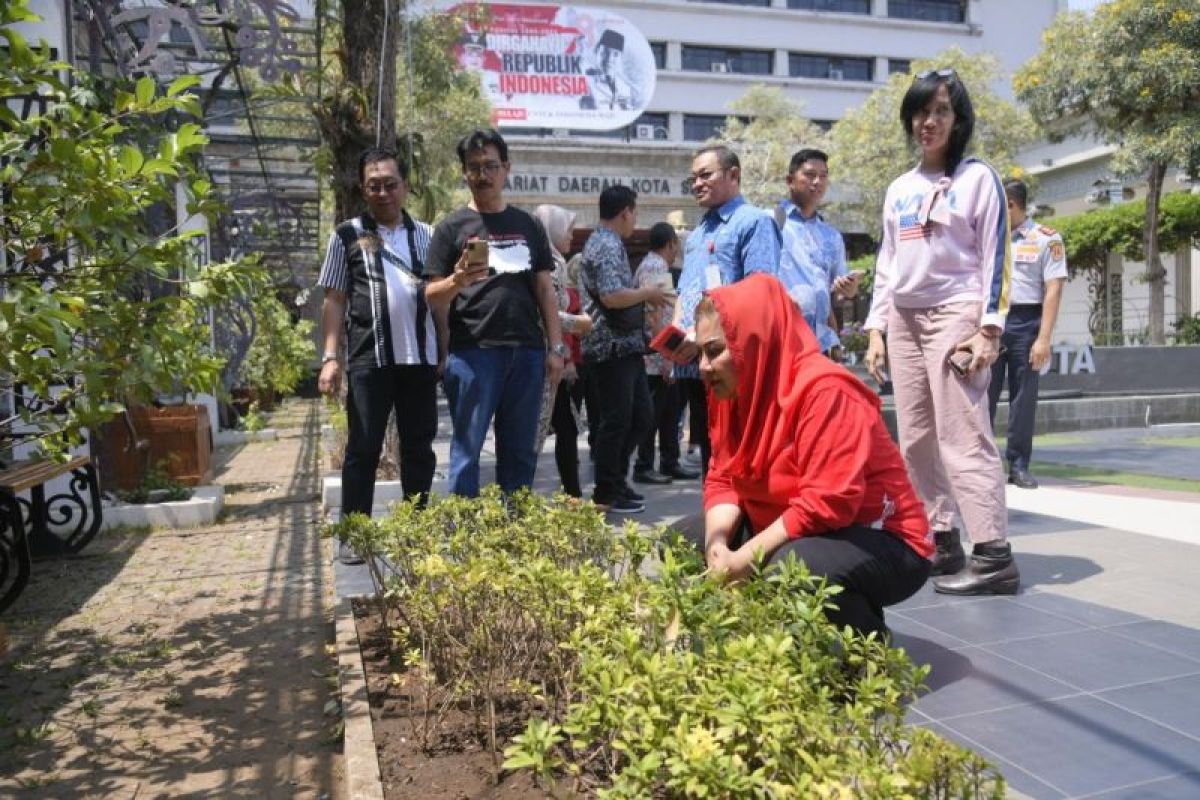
pixel 501 311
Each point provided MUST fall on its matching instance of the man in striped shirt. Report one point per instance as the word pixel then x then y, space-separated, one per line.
pixel 375 293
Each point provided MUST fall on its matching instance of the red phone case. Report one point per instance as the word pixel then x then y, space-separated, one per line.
pixel 662 343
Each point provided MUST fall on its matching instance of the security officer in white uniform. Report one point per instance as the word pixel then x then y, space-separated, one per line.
pixel 1038 274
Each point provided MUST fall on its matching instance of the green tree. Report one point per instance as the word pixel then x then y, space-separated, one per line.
pixel 96 309
pixel 423 105
pixel 868 148
pixel 282 351
pixel 777 128
pixel 1129 72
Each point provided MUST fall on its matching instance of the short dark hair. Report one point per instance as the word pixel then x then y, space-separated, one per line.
pixel 661 235
pixel 921 93
pixel 478 140
pixel 807 154
pixel 616 199
pixel 1018 192
pixel 725 156
pixel 374 155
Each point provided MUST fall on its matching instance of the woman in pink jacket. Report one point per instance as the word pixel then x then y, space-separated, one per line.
pixel 941 296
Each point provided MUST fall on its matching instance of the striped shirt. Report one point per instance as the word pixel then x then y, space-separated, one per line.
pixel 957 252
pixel 381 269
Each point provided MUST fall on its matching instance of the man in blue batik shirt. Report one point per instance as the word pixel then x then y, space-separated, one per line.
pixel 814 254
pixel 732 240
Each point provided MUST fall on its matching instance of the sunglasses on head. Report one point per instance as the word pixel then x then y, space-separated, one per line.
pixel 946 72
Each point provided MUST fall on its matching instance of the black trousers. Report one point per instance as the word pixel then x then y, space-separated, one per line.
pixel 624 408
pixel 566 435
pixel 664 426
pixel 1020 332
pixel 372 394
pixel 875 568
pixel 692 393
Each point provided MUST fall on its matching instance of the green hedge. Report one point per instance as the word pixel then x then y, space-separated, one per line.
pixel 640 686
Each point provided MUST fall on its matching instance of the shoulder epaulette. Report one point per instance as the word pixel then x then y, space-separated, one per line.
pixel 1046 230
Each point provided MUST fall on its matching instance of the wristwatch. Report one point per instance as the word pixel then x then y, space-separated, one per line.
pixel 325 359
pixel 561 350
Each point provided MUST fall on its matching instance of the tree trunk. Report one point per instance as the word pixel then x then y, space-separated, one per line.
pixel 1156 276
pixel 347 114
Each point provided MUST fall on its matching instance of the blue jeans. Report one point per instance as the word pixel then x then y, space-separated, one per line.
pixel 500 382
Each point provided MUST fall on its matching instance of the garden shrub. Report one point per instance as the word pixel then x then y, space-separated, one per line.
pixel 646 685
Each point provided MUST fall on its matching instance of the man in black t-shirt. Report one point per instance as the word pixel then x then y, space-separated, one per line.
pixel 498 322
pixel 375 292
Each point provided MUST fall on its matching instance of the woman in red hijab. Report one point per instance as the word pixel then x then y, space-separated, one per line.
pixel 802 463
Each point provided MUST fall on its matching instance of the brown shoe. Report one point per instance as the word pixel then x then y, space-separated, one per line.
pixel 990 570
pixel 949 557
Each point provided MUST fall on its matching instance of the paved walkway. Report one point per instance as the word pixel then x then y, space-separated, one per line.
pixel 183 664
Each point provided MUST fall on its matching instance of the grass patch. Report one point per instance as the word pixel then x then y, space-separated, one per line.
pixel 1172 441
pixel 1112 476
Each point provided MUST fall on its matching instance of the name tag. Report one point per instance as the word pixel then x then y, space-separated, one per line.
pixel 1026 253
pixel 712 276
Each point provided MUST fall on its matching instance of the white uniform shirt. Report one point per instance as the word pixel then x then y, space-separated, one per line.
pixel 1038 256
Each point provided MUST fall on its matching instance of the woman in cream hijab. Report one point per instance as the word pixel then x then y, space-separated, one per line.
pixel 558 410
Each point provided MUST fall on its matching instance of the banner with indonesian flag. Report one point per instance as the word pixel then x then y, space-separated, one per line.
pixel 557 66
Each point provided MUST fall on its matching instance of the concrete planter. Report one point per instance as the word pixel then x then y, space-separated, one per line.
pixel 233 438
pixel 201 509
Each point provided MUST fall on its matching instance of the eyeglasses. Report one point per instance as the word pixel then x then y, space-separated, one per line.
pixel 945 72
pixel 704 176
pixel 385 187
pixel 487 167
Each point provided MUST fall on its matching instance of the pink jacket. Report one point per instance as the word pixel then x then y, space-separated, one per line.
pixel 945 240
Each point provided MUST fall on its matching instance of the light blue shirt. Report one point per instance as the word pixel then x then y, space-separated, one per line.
pixel 739 239
pixel 814 254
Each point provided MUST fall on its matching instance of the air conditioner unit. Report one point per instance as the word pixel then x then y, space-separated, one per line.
pixel 720 66
pixel 835 74
pixel 643 132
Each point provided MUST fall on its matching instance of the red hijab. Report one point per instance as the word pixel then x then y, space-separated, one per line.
pixel 778 361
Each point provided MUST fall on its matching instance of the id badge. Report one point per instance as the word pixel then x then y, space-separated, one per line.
pixel 712 276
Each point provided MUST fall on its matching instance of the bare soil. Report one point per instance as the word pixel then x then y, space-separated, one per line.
pixel 458 766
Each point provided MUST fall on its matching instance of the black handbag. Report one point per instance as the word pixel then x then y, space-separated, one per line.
pixel 621 321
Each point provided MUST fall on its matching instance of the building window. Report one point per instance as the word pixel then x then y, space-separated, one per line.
pixel 659 49
pixel 899 65
pixel 834 68
pixel 721 59
pixel 845 6
pixel 650 125
pixel 701 127
pixel 760 3
pixel 929 10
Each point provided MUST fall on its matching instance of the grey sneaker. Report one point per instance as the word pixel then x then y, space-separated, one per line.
pixel 347 555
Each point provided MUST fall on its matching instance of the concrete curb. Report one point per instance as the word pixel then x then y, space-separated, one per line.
pixel 363 781
pixel 200 510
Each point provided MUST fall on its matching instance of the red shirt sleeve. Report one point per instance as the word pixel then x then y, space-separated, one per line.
pixel 718 487
pixel 829 459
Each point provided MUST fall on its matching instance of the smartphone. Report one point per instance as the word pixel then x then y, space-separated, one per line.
pixel 668 340
pixel 960 362
pixel 477 253
pixel 857 273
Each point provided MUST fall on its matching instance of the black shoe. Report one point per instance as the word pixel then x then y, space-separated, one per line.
pixel 650 476
pixel 682 473
pixel 1021 478
pixel 949 557
pixel 626 505
pixel 990 570
pixel 347 555
pixel 628 493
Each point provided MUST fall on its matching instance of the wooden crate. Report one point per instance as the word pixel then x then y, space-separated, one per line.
pixel 180 441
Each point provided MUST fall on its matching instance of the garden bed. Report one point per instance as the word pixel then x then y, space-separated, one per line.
pixel 518 647
pixel 461 766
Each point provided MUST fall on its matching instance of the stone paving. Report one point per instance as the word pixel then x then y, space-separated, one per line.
pixel 185 663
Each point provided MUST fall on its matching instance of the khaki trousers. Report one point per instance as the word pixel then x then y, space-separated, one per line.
pixel 945 433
